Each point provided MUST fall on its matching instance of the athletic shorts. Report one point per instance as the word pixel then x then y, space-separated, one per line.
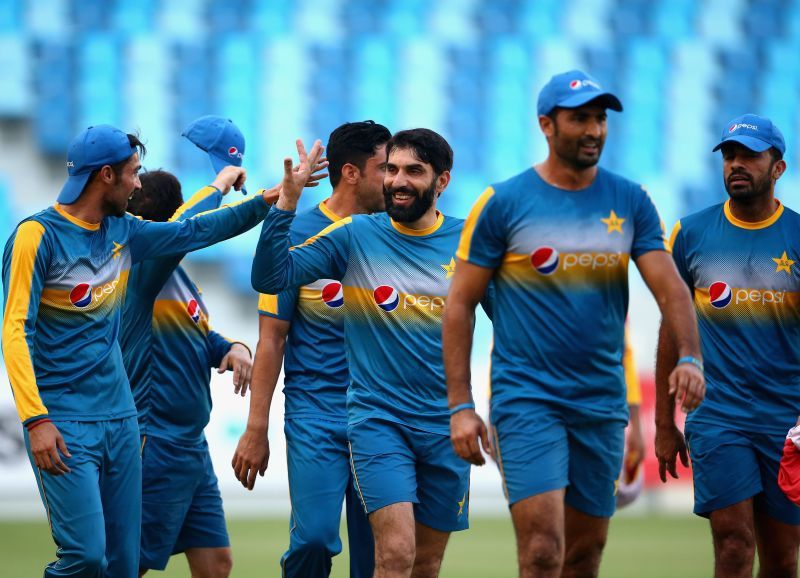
pixel 181 503
pixel 730 466
pixel 394 463
pixel 543 447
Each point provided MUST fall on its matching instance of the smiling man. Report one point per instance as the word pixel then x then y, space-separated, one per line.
pixel 556 241
pixel 395 269
pixel 740 261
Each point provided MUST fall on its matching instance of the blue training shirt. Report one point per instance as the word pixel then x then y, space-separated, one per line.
pixel 394 284
pixel 560 286
pixel 64 285
pixel 315 361
pixel 745 279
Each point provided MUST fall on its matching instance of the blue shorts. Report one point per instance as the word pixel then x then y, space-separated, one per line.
pixel 730 466
pixel 543 447
pixel 394 463
pixel 181 503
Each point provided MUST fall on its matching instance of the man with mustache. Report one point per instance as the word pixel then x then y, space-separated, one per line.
pixel 740 261
pixel 556 241
pixel 395 269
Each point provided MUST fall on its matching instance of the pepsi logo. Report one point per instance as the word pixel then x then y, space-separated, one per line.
pixel 736 126
pixel 386 297
pixel 733 128
pixel 332 295
pixel 193 308
pixel 544 260
pixel 719 294
pixel 575 84
pixel 81 295
pixel 233 152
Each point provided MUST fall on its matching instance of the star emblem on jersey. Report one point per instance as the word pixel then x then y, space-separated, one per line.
pixel 613 223
pixel 783 263
pixel 450 268
pixel 117 249
pixel 461 504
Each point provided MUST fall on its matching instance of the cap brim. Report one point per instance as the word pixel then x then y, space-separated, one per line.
pixel 605 99
pixel 220 164
pixel 751 142
pixel 73 188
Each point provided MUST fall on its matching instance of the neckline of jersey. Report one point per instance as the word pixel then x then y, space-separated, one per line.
pixel 400 228
pixel 748 225
pixel 587 188
pixel 75 220
pixel 327 212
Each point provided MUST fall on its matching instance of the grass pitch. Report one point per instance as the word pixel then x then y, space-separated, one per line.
pixel 647 547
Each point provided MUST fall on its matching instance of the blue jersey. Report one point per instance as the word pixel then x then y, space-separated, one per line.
pixel 315 362
pixel 185 348
pixel 745 279
pixel 561 286
pixel 65 283
pixel 394 285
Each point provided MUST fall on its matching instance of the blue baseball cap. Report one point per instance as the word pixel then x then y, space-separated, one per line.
pixel 220 138
pixel 573 89
pixel 94 148
pixel 755 132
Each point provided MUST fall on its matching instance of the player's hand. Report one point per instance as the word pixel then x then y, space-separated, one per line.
pixel 316 173
pixel 238 359
pixel 47 447
pixel 669 445
pixel 295 177
pixel 687 385
pixel 228 177
pixel 251 457
pixel 271 195
pixel 466 428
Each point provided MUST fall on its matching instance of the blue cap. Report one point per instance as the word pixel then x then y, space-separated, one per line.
pixel 755 132
pixel 220 138
pixel 573 89
pixel 94 148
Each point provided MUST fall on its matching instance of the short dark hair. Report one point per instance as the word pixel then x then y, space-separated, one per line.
pixel 776 154
pixel 353 143
pixel 428 146
pixel 137 146
pixel 159 197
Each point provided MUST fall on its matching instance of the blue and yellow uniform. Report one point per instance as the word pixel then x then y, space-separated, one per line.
pixel 745 280
pixel 316 377
pixel 168 348
pixel 394 284
pixel 65 282
pixel 561 295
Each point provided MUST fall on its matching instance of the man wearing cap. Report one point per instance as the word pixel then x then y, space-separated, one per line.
pixel 65 271
pixel 741 261
pixel 220 138
pixel 556 241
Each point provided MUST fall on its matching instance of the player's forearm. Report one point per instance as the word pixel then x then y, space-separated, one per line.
pixel 266 371
pixel 271 262
pixel 678 314
pixel 457 325
pixel 206 199
pixel 666 358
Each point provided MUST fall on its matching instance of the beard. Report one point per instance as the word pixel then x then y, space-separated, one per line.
pixel 421 204
pixel 750 190
pixel 571 153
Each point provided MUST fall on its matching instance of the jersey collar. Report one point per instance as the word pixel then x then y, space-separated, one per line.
pixel 327 212
pixel 419 232
pixel 748 225
pixel 74 220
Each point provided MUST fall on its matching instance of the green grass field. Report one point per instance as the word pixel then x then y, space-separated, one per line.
pixel 652 547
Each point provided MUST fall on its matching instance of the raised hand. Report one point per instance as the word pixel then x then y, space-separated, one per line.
pixel 228 177
pixel 295 177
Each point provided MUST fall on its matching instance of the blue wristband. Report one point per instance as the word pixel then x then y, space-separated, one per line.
pixel 693 360
pixel 461 406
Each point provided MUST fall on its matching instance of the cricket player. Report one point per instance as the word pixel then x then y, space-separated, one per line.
pixel 65 272
pixel 738 259
pixel 304 329
pixel 395 269
pixel 556 241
